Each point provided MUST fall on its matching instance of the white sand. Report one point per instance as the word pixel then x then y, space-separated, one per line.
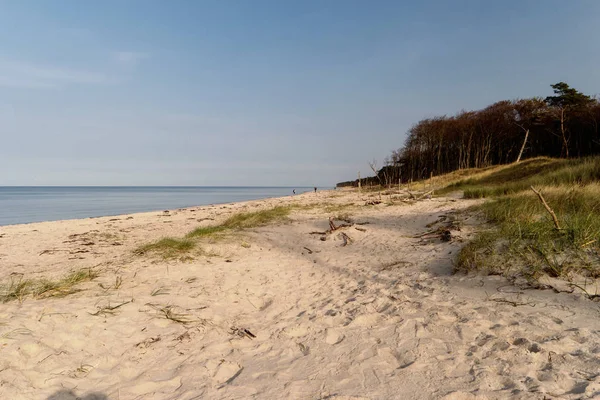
pixel 381 318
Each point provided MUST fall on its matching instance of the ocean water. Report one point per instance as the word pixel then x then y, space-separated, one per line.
pixel 24 204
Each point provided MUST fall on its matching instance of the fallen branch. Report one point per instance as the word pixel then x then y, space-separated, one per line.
pixel 309 250
pixel 332 226
pixel 424 194
pixel 347 239
pixel 539 194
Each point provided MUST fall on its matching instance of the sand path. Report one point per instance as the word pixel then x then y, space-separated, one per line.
pixel 380 318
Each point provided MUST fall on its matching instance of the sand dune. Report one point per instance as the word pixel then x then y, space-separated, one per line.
pixel 275 312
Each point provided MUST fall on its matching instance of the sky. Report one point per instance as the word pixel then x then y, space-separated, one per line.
pixel 262 93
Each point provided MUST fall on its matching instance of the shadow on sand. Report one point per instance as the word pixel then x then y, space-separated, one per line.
pixel 70 395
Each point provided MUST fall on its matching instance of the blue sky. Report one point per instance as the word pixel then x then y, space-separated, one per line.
pixel 262 92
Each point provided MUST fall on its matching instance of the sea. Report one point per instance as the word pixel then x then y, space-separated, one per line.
pixel 25 204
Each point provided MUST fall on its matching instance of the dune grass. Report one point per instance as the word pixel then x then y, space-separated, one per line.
pixel 257 218
pixel 524 239
pixel 19 288
pixel 243 221
pixel 167 247
pixel 170 247
pixel 515 178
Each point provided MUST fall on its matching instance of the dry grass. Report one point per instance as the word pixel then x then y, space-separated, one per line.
pixel 181 247
pixel 169 312
pixel 167 247
pixel 524 240
pixel 257 218
pixel 243 221
pixel 19 288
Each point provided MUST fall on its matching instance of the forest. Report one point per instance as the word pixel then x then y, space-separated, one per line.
pixel 564 125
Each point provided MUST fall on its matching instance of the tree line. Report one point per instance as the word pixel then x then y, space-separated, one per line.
pixel 563 125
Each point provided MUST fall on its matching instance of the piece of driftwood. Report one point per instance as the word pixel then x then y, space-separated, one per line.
pixel 346 239
pixel 424 194
pixel 332 226
pixel 550 211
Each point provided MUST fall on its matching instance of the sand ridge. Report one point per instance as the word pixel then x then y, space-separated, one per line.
pixel 279 313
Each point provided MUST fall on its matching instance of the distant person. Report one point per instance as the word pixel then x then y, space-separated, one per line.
pixel 294 191
pixel 315 189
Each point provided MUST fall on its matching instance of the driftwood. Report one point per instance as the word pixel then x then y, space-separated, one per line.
pixel 347 239
pixel 424 195
pixel 539 194
pixel 333 227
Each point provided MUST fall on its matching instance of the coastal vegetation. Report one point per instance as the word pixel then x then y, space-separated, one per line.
pixel 19 287
pixel 534 161
pixel 525 238
pixel 170 247
pixel 564 125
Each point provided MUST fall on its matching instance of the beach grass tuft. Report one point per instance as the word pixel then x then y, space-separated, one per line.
pixel 243 221
pixel 257 218
pixel 170 247
pixel 167 247
pixel 19 288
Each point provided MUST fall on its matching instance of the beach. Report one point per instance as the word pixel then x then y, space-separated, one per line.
pixel 352 296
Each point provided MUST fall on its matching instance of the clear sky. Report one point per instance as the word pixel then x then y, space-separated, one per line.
pixel 258 92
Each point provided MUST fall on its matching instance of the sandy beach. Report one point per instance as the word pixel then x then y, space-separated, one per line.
pixel 370 310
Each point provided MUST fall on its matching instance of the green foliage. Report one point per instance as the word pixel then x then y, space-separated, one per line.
pixel 567 97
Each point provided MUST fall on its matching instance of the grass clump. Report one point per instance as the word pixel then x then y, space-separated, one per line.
pixel 243 221
pixel 257 218
pixel 205 231
pixel 167 247
pixel 179 247
pixel 525 240
pixel 19 288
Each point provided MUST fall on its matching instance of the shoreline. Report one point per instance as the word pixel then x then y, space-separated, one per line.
pixel 160 209
pixel 284 310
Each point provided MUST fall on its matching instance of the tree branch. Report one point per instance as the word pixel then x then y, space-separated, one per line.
pixel 556 224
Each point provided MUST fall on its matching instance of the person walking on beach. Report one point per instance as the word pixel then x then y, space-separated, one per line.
pixel 315 189
pixel 294 191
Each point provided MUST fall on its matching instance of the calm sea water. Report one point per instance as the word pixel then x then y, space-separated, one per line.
pixel 22 204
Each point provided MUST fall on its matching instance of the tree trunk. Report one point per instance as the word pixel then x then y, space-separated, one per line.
pixel 523 145
pixel 564 134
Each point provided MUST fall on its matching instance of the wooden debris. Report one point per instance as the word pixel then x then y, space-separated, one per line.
pixel 332 226
pixel 347 239
pixel 241 332
pixel 539 194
